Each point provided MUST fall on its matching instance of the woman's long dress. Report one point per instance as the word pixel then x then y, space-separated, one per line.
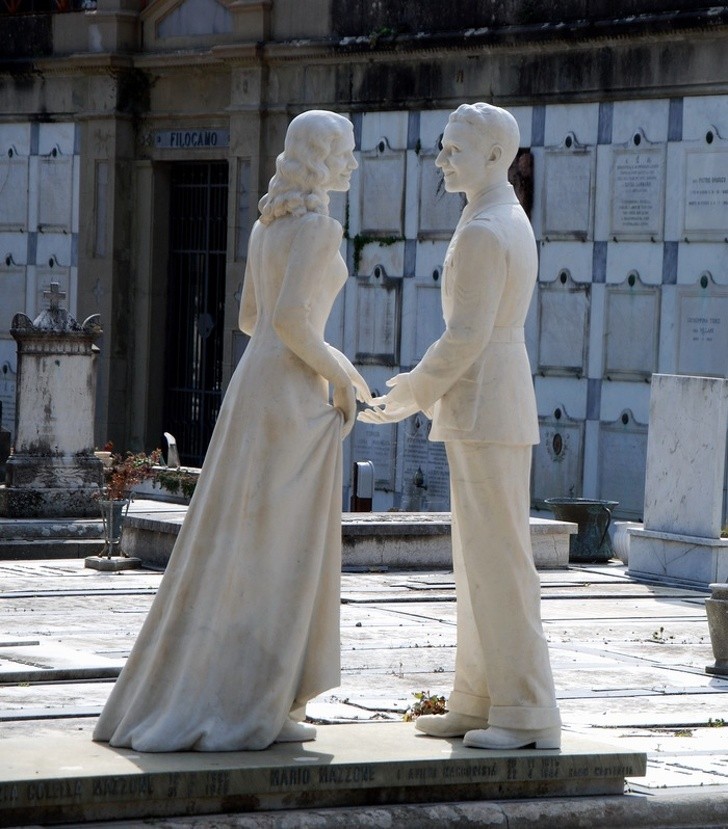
pixel 245 626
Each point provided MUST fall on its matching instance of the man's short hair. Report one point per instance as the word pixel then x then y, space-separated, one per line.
pixel 493 125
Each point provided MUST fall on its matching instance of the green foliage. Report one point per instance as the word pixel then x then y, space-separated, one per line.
pixel 177 481
pixel 426 704
pixel 361 240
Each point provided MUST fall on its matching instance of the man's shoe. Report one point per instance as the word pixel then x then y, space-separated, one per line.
pixel 450 724
pixel 296 732
pixel 510 738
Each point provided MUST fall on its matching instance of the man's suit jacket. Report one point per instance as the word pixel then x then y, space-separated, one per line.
pixel 475 381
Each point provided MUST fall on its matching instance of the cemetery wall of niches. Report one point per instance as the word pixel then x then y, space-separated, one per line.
pixel 39 219
pixel 629 203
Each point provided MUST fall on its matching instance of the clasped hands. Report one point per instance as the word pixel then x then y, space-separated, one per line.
pixel 389 408
pixel 398 404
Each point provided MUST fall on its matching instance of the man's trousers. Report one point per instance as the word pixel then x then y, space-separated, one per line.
pixel 502 667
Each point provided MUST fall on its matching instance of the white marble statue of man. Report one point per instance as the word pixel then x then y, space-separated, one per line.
pixel 475 382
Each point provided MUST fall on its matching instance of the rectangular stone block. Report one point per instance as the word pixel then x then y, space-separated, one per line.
pixel 686 450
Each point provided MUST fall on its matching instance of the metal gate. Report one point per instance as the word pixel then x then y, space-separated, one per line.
pixel 195 304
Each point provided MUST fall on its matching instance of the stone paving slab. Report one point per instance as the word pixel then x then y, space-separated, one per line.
pixel 71 778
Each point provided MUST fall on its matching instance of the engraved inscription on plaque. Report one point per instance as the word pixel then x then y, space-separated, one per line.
pixel 631 330
pixel 638 179
pixel 569 194
pixel 703 333
pixel 425 475
pixel 706 194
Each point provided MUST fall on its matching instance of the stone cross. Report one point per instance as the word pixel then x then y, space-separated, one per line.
pixel 54 294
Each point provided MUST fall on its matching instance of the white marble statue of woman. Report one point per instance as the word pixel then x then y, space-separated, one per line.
pixel 245 627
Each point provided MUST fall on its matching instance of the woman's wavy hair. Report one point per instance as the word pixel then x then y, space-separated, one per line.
pixel 298 185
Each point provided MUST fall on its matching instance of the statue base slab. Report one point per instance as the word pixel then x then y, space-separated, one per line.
pixel 73 779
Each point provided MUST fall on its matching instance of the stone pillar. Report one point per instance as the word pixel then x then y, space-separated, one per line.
pixel 52 471
pixel 684 488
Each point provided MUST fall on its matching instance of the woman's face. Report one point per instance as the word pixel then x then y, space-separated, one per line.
pixel 341 162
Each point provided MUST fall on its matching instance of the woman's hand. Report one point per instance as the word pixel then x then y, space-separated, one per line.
pixel 345 400
pixel 363 395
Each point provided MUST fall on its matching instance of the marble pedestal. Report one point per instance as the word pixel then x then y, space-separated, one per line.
pixel 73 779
pixel 677 559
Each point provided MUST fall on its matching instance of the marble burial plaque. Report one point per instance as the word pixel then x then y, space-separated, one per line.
pixel 13 192
pixel 622 463
pixel 558 458
pixel 12 296
pixel 425 473
pixel 638 183
pixel 703 333
pixel 382 192
pixel 377 332
pixel 439 210
pixel 631 331
pixel 706 194
pixel 378 444
pixel 430 323
pixel 56 194
pixel 563 317
pixel 568 194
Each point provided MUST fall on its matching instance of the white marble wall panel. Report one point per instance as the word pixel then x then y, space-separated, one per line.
pixel 702 330
pixel 387 257
pixel 425 476
pixel 701 113
pixel 55 196
pixel 390 126
pixel 619 395
pixel 631 331
pixel 58 136
pixel 355 195
pixel 695 260
pixel 574 257
pixel 13 189
pixel 382 192
pixel 337 206
pixel 568 198
pixel 15 246
pixel 558 459
pixel 530 331
pixel 378 322
pixel 430 324
pixel 12 296
pixel 538 154
pixel 580 119
pixel 565 393
pixel 705 199
pixel 651 117
pixel 563 326
pixel 641 258
pixel 56 247
pixel 622 461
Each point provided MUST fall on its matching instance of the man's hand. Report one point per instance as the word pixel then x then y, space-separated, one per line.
pixel 393 407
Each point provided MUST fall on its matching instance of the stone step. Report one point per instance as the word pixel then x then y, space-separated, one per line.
pixel 74 779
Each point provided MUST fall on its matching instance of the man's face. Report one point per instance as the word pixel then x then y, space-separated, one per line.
pixel 461 159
